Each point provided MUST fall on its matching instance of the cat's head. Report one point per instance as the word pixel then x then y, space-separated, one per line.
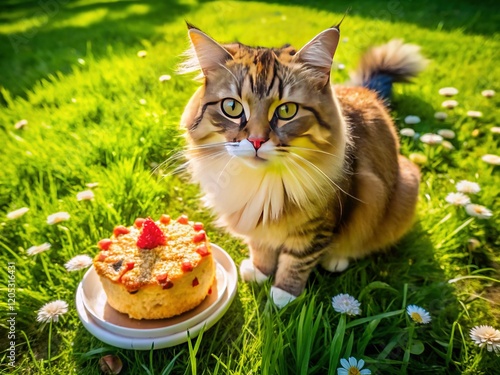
pixel 265 111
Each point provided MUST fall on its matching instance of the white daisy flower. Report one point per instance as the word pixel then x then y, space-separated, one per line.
pixel 142 101
pixel 85 195
pixel 418 314
pixel 474 114
pixel 20 124
pixel 486 336
pixel 468 187
pixel 78 262
pixel 450 104
pixel 446 133
pixel 478 211
pixel 17 213
pixel 488 93
pixel 447 145
pixel 142 54
pixel 431 139
pixel 92 185
pixel 57 218
pixel 352 367
pixel 491 159
pixel 457 199
pixel 346 304
pixel 418 158
pixel 50 312
pixel 38 248
pixel 440 115
pixel 412 120
pixel 165 77
pixel 448 91
pixel 407 132
pixel 495 130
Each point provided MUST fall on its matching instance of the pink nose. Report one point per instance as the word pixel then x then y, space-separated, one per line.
pixel 257 141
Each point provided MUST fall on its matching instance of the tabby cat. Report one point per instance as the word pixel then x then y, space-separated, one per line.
pixel 304 172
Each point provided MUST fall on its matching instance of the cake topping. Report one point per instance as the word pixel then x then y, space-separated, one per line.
pixel 165 219
pixel 198 226
pixel 139 222
pixel 120 229
pixel 162 278
pixel 187 266
pixel 117 265
pixel 151 235
pixel 202 250
pixel 104 244
pixel 102 256
pixel 196 282
pixel 200 236
pixel 183 219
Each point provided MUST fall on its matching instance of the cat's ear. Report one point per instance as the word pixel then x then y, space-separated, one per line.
pixel 209 54
pixel 318 53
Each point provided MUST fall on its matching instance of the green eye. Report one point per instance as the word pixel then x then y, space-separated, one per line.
pixel 232 108
pixel 287 111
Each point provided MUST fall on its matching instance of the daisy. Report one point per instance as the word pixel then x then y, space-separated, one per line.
pixel 431 139
pixel 446 133
pixel 448 91
pixel 447 145
pixel 21 124
pixel 78 263
pixel 352 367
pixel 495 130
pixel 468 187
pixel 486 336
pixel 57 217
pixel 142 54
pixel 92 185
pixel 418 158
pixel 165 77
pixel 50 312
pixel 440 115
pixel 38 249
pixel 346 304
pixel 411 120
pixel 85 195
pixel 488 93
pixel 478 211
pixel 418 314
pixel 458 199
pixel 491 159
pixel 474 114
pixel 450 104
pixel 17 213
pixel 407 132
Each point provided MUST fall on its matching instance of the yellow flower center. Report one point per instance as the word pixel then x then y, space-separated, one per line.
pixel 354 371
pixel 416 317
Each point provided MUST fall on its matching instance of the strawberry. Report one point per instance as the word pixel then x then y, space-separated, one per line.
pixel 151 235
pixel 165 219
pixel 200 236
pixel 187 266
pixel 195 282
pixel 120 229
pixel 183 219
pixel 104 244
pixel 198 226
pixel 138 222
pixel 202 250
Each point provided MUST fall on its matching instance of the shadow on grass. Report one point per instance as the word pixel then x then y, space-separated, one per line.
pixel 50 36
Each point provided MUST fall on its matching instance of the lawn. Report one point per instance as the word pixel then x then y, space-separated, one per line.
pixel 96 112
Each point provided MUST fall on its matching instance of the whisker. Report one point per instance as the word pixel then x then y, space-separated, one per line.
pixel 306 149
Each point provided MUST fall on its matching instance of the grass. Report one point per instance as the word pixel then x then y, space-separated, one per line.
pixel 86 124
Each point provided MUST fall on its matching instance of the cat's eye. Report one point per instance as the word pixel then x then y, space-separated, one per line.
pixel 287 111
pixel 232 108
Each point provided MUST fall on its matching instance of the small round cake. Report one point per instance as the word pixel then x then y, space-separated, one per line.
pixel 156 270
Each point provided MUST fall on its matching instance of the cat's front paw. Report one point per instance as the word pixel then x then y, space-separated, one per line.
pixel 249 272
pixel 280 297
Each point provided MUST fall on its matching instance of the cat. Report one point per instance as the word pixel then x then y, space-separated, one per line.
pixel 305 172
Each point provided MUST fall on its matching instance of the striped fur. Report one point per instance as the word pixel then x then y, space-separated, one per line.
pixel 321 187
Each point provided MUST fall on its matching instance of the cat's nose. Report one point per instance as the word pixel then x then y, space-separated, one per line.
pixel 257 141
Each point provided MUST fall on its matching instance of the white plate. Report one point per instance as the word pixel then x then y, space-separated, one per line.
pixel 95 301
pixel 126 341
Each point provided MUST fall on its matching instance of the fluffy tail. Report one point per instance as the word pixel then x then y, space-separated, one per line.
pixel 393 62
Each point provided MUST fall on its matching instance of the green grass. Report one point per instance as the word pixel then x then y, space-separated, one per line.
pixel 86 124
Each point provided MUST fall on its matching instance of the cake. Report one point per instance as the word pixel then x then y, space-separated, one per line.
pixel 156 270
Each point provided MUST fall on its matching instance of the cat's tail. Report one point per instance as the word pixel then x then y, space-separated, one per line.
pixel 392 62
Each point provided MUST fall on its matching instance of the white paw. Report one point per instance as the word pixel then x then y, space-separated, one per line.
pixel 248 272
pixel 280 297
pixel 335 264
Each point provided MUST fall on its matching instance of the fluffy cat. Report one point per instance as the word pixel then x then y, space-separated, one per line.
pixel 304 172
